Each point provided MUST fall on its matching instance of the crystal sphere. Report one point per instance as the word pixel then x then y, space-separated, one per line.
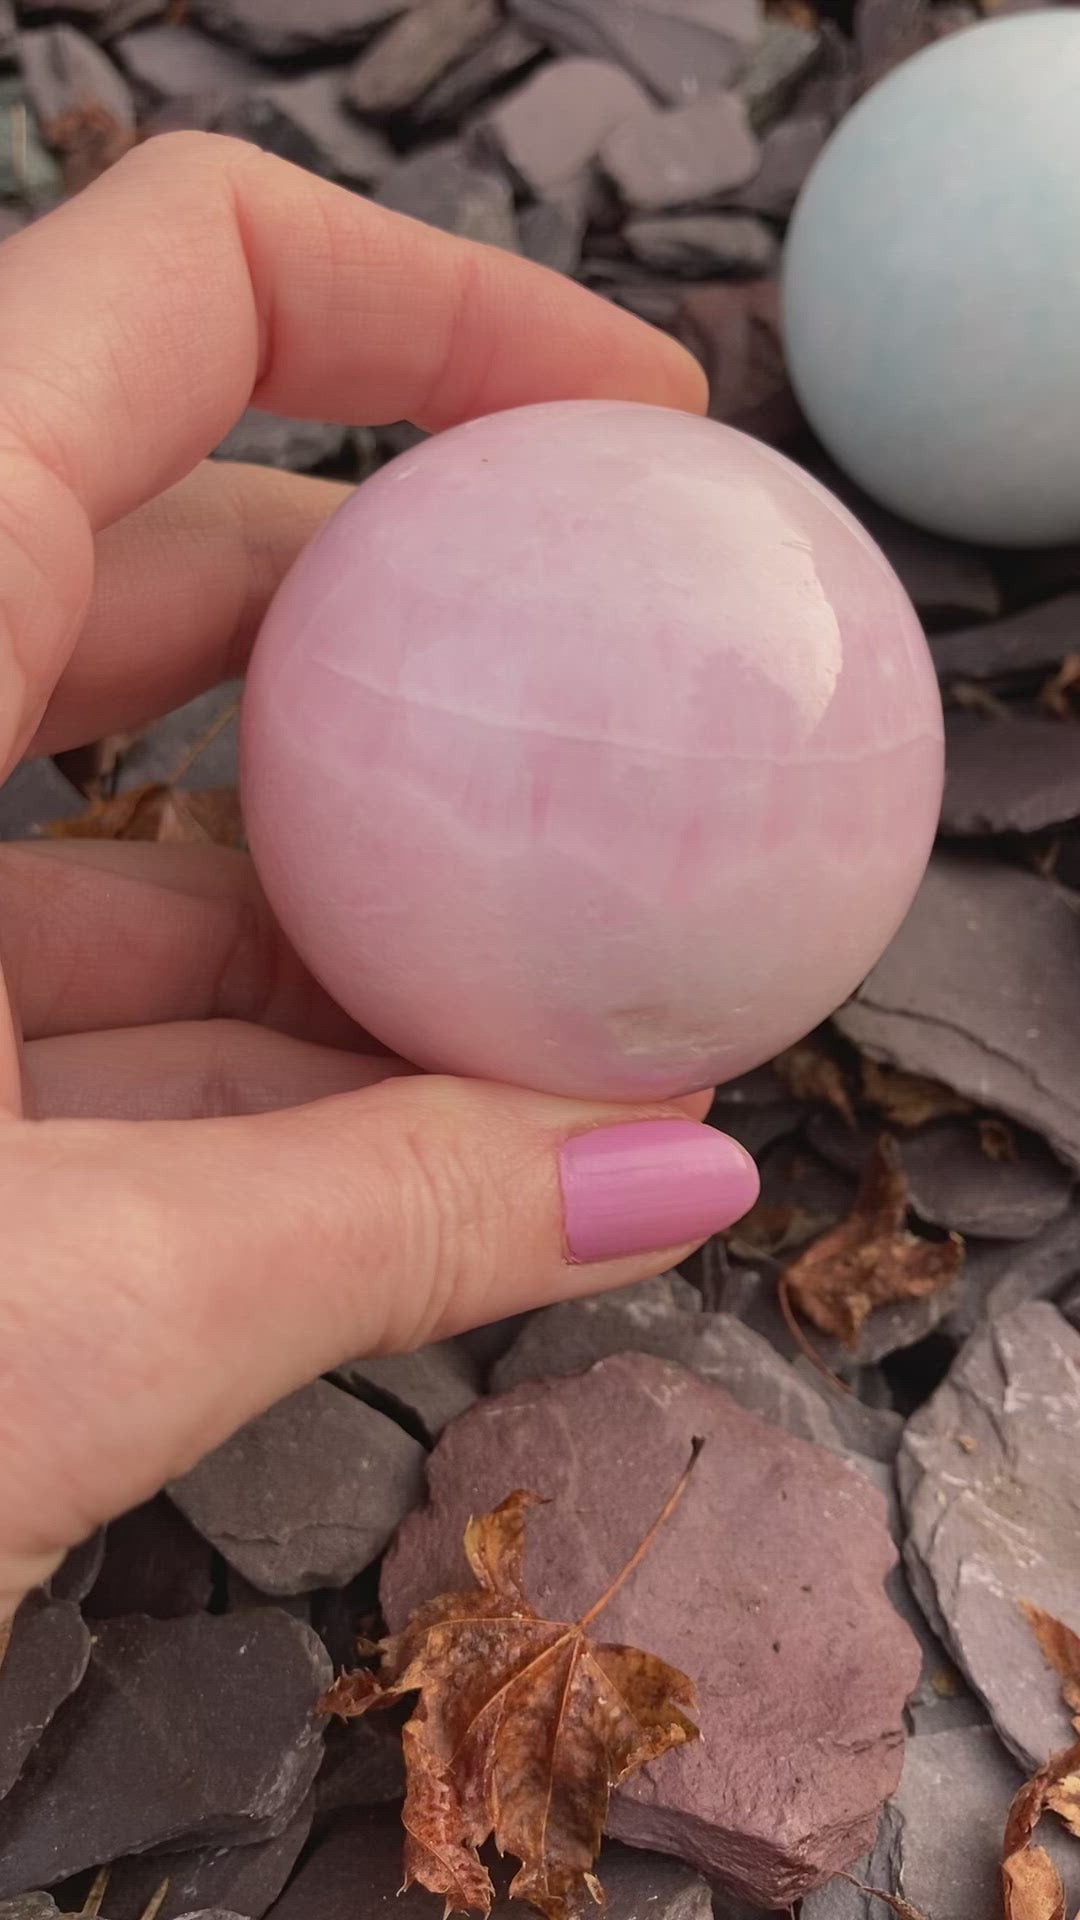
pixel 591 747
pixel 931 286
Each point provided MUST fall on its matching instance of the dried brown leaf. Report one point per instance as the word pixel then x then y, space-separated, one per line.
pixel 1055 694
pixel 772 1229
pixel 522 1727
pixel 1060 1648
pixel 908 1100
pixel 1031 1884
pixel 870 1259
pixel 1064 1800
pixel 811 1073
pixel 5 1636
pixel 174 815
pixel 998 1141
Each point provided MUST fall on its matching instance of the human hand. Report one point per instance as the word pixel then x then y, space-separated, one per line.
pixel 212 1187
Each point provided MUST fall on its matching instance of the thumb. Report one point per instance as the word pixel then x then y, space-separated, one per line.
pixel 178 1277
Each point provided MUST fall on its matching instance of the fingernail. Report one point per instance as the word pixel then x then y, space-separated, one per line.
pixel 651 1184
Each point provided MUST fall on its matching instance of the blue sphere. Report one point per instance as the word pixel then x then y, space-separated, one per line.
pixel 931 286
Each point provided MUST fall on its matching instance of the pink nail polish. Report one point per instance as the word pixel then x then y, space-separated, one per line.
pixel 651 1184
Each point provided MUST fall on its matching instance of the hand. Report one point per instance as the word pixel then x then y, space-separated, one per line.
pixel 211 1187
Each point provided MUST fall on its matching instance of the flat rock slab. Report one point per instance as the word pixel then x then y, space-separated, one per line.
pixel 1034 641
pixel 171 61
pixel 356 1869
pixel 308 1494
pixel 273 440
pixel 46 1658
pixel 940 1837
pixel 35 793
pixel 190 1731
pixel 426 1389
pixel 154 1563
pixel 788 152
pixel 767 1588
pixel 674 158
pixel 280 30
pixel 246 1880
pixel 978 990
pixel 412 53
pixel 701 244
pixel 998 1278
pixel 551 127
pixel 987 1474
pixel 1012 775
pixel 678 49
pixel 443 186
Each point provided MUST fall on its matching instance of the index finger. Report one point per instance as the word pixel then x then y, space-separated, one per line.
pixel 199 275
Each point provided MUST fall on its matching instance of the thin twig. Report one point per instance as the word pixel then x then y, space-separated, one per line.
pixel 638 1555
pixel 157 1901
pixel 801 1340
pixel 96 1895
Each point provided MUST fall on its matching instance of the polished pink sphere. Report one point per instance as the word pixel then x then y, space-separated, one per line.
pixel 592 747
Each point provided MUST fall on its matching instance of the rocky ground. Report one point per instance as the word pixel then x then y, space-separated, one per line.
pixel 844 1576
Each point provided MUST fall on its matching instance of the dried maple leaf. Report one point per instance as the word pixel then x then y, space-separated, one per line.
pixel 1031 1884
pixel 163 813
pixel 811 1073
pixel 908 1100
pixel 1060 1649
pixel 870 1259
pixel 522 1728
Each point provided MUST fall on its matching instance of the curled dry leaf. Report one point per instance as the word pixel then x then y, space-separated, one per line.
pixel 810 1072
pixel 1057 694
pixel 522 1728
pixel 908 1100
pixel 870 1259
pixel 1031 1884
pixel 210 817
pixel 1061 1650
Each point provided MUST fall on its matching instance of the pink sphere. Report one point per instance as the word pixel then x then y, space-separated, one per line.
pixel 592 747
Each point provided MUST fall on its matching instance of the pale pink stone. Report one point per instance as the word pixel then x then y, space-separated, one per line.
pixel 592 747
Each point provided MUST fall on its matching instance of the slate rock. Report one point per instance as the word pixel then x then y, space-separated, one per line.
pixel 438 184
pixel 34 794
pixel 551 127
pixel 68 79
pixel 154 1563
pixel 197 745
pixel 313 107
pixel 702 244
pixel 174 61
pixel 552 230
pixel 986 1473
pixel 685 154
pixel 734 331
pixel 664 1317
pixel 192 1731
pixel 801 1708
pixel 306 1495
pixel 245 1879
pixel 276 440
pixel 363 1850
pixel 280 30
pixel 784 55
pixel 1011 775
pixel 948 1867
pixel 788 152
pixel 1033 641
pixel 412 53
pixel 363 1766
pixel 79 1569
pixel 30 1906
pixel 426 1389
pixel 955 1184
pixel 45 1661
pixel 506 55
pixel 1037 572
pixel 998 1276
pixel 978 990
pixel 678 49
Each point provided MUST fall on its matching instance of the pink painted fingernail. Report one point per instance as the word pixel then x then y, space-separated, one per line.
pixel 651 1184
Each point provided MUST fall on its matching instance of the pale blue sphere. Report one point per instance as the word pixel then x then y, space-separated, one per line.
pixel 931 288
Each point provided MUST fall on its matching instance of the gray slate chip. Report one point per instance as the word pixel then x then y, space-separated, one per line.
pixel 433 1385
pixel 788 152
pixel 1034 641
pixel 678 49
pixel 172 749
pixel 154 1563
pixel 30 1906
pixel 553 125
pixel 978 990
pixel 275 440
pixel 1014 775
pixel 784 55
pixel 702 244
pixel 998 1276
pixel 990 1492
pixel 174 61
pixel 552 231
pixel 954 1184
pixel 192 1731
pixel 414 51
pixel 247 1879
pixel 686 154
pixel 440 185
pixel 940 1836
pixel 66 76
pixel 341 148
pixel 35 793
pixel 308 1494
pixel 281 30
pixel 468 82
pixel 45 1661
pixel 79 1569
